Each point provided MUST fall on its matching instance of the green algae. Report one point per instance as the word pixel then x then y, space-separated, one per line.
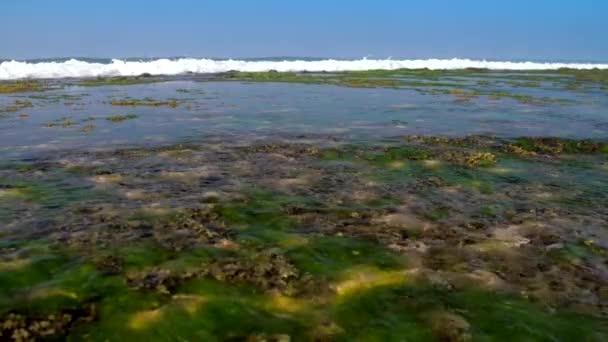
pixel 121 118
pixel 260 207
pixel 116 81
pixel 431 82
pixel 144 102
pixel 20 87
pixel 560 145
pixel 87 128
pixel 344 80
pixel 57 98
pixel 207 310
pixel 45 279
pixel 54 188
pixel 330 256
pixel 22 190
pixel 373 296
pixel 16 106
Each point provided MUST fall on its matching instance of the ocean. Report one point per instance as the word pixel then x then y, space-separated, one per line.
pixel 106 67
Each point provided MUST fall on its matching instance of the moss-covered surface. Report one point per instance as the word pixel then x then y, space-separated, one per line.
pixel 20 87
pixel 147 102
pixel 121 118
pixel 464 85
pixel 16 106
pixel 423 238
pixel 117 81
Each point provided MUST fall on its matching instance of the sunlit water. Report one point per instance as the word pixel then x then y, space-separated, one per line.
pixel 257 110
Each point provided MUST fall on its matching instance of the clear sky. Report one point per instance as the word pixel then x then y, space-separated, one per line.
pixel 507 29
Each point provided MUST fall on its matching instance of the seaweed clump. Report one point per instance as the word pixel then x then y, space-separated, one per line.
pixel 29 328
pixel 268 270
pixel 555 146
pixel 191 228
pixel 470 159
pixel 121 118
pixel 145 103
pixel 19 87
pixel 16 106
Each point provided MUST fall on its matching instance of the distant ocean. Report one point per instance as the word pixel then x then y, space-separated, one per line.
pixel 96 67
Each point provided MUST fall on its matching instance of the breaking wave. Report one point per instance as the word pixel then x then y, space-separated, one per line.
pixel 12 70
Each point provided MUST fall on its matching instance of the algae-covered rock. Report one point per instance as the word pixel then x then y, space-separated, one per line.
pixel 555 146
pixel 449 327
pixel 190 228
pixel 269 270
pixel 110 265
pixel 33 327
pixel 470 159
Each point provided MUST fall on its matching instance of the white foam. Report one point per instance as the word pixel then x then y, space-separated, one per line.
pixel 12 70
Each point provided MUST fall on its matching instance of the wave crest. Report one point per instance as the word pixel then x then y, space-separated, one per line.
pixel 12 70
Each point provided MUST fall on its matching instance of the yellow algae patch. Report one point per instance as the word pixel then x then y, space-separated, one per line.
pixel 431 163
pixel 293 241
pixel 11 193
pixel 137 195
pixel 108 179
pixel 15 264
pixel 499 170
pixel 287 304
pixel 156 209
pixel 189 303
pixel 544 195
pixel 397 164
pixel 51 292
pixel 176 153
pixel 143 319
pixel 182 177
pixel 488 245
pixel 367 278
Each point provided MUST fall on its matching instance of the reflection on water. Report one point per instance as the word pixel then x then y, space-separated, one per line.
pixel 57 119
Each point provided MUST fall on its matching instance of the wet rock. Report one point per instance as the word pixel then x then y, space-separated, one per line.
pixel 268 338
pixel 450 327
pixel 191 228
pixel 18 327
pixel 160 280
pixel 110 265
pixel 472 140
pixel 269 270
pixel 422 184
pixel 514 149
pixel 556 146
pixel 291 150
pixel 469 159
pixel 554 246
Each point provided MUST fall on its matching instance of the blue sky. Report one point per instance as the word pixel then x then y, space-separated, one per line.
pixel 509 29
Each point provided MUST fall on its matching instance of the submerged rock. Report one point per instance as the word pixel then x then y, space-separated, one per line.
pixel 18 327
pixel 269 270
pixel 450 327
pixel 192 227
pixel 470 159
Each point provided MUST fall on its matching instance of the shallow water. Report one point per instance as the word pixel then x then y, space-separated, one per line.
pixel 263 109
pixel 283 211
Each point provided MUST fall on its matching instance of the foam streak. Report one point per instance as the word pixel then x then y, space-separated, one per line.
pixel 12 70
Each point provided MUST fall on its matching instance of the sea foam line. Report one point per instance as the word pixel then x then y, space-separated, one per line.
pixel 12 70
